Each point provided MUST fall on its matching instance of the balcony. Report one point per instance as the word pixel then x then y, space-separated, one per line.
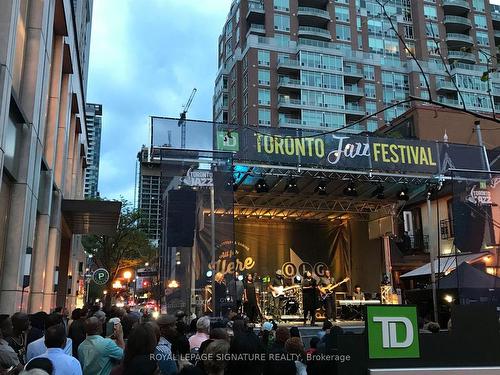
pixel 313 3
pixel 284 102
pixel 287 84
pixel 314 33
pixel 352 73
pixel 457 24
pixel 290 121
pixel 455 7
pixel 497 37
pixel 353 109
pixel 495 17
pixel 256 29
pixel 353 91
pixel 288 65
pixel 446 86
pixel 459 40
pixel 313 17
pixel 465 57
pixel 256 12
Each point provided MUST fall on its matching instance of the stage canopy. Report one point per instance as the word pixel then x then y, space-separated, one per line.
pixel 446 264
pixel 467 276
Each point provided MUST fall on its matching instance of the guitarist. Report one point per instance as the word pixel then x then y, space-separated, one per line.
pixel 276 283
pixel 329 304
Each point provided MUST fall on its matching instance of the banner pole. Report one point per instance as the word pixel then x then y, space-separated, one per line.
pixel 433 266
pixel 212 241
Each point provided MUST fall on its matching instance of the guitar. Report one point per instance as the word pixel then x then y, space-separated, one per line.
pixel 280 290
pixel 329 289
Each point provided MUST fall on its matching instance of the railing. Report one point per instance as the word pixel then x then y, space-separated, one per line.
pixel 457 19
pixel 348 69
pixel 457 36
pixel 446 85
pixel 288 62
pixel 316 30
pixel 315 11
pixel 446 229
pixel 290 121
pixel 354 107
pixel 283 100
pixel 460 3
pixel 353 89
pixel 255 6
pixel 461 55
pixel 495 16
pixel 288 81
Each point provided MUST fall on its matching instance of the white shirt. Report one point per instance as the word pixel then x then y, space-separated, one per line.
pixel 37 348
pixel 63 364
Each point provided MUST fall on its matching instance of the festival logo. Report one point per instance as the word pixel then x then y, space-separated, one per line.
pixel 233 257
pixel 228 141
pixel 479 197
pixel 198 178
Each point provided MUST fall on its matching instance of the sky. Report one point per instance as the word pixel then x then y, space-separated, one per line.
pixel 145 59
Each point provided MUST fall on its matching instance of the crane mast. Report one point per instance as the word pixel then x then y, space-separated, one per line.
pixel 182 118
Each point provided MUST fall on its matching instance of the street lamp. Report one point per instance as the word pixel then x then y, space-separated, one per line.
pixel 127 275
pixel 105 292
pixel 146 264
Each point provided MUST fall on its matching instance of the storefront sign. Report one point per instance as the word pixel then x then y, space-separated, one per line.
pixel 100 276
pixel 392 332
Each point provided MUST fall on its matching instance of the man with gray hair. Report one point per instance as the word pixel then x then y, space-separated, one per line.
pixel 202 333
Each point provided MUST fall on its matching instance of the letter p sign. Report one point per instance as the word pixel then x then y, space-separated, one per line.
pixel 392 332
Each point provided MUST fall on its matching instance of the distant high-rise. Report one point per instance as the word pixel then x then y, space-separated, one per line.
pixel 323 64
pixel 94 125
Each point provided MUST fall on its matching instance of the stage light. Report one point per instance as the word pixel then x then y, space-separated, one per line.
pixel 448 298
pixel 209 273
pixel 240 277
pixel 379 192
pixel 291 186
pixel 321 188
pixel 297 279
pixel 350 190
pixel 232 184
pixel 261 186
pixel 403 194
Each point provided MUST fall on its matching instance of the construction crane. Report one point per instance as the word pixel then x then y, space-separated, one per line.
pixel 182 118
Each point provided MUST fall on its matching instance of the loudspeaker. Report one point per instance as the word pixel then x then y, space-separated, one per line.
pixel 181 217
pixel 468 225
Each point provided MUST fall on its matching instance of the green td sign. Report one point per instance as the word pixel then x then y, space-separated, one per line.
pixel 392 332
pixel 228 142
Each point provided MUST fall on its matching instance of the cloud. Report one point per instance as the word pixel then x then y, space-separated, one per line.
pixel 145 58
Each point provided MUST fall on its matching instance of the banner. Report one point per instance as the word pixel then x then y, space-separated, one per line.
pixel 340 151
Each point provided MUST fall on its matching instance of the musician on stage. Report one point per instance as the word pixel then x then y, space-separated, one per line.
pixel 358 295
pixel 220 291
pixel 277 283
pixel 250 299
pixel 329 301
pixel 309 297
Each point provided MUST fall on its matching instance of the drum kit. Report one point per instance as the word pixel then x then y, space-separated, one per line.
pixel 290 297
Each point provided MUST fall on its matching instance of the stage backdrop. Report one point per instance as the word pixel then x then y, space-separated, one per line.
pixel 264 246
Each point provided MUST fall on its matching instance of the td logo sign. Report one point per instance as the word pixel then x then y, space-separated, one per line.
pixel 392 332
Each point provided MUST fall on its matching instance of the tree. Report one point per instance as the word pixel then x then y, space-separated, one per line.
pixel 129 247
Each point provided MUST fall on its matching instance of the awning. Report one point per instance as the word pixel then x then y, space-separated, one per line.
pixel 91 217
pixel 446 264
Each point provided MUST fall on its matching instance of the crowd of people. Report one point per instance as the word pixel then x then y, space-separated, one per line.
pixel 122 342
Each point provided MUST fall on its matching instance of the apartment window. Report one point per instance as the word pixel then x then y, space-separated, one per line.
pixel 229 27
pixel 430 12
pixel 360 41
pixel 312 98
pixel 375 27
pixel 264 97
pixel 245 100
pixel 480 21
pixel 310 59
pixel 332 62
pixel 484 56
pixel 408 32
pixel 342 14
pixel 478 5
pixel 376 45
pixel 432 47
pixel 282 40
pixel 281 22
pixel 343 32
pixel 391 46
pixel 263 58
pixel 282 5
pixel 229 48
pixel 264 116
pixel 245 62
pixel 311 79
pixel 264 77
pixel 432 29
pixel 410 48
pixel 333 101
pixel 333 81
pixel 482 38
pixel 334 120
pixel 359 26
pixel 369 72
pixel 245 81
pixel 371 125
pixel 371 107
pixel 370 90
pixel 312 118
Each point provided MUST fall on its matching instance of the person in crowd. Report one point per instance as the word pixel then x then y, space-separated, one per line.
pixel 220 291
pixel 213 365
pixel 267 335
pixel 8 356
pixel 276 364
pixel 37 347
pixel 309 297
pixel 245 342
pixel 37 322
pixel 17 339
pixel 294 332
pixel 433 327
pixel 40 363
pixel 327 325
pixel 163 351
pixel 55 341
pixel 313 346
pixel 202 333
pixel 76 331
pixel 250 299
pixel 101 316
pixel 295 347
pixel 138 358
pixel 219 334
pixel 192 326
pixel 97 354
pixel 358 295
pixel 63 311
